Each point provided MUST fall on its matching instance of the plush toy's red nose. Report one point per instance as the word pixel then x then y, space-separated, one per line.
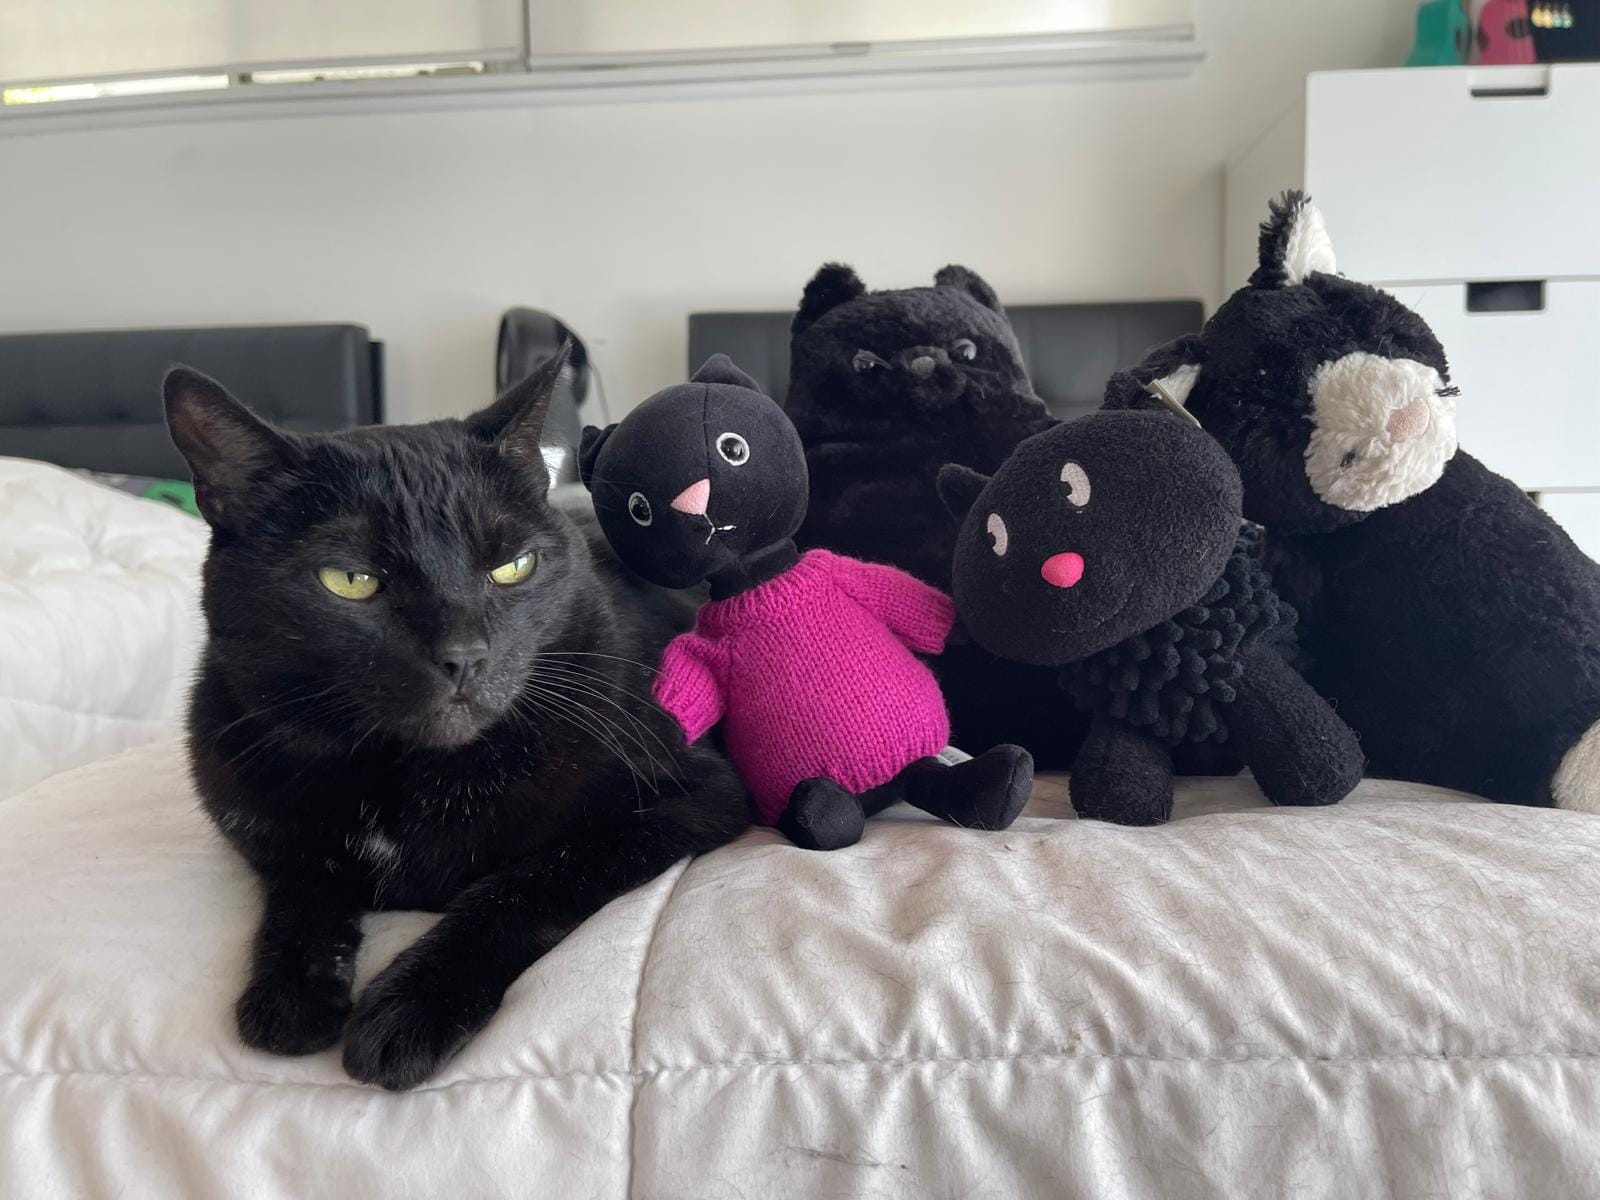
pixel 1062 570
pixel 694 498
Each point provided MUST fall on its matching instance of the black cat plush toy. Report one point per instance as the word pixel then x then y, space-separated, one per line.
pixel 1111 547
pixel 885 388
pixel 810 664
pixel 1453 623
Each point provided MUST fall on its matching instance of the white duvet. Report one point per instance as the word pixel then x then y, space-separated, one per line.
pixel 99 619
pixel 1397 996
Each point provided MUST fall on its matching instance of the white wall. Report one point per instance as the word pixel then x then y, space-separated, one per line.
pixel 624 218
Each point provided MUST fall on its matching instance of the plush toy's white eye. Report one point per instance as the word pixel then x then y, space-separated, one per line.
pixel 866 360
pixel 734 449
pixel 639 509
pixel 965 349
pixel 1077 481
pixel 997 531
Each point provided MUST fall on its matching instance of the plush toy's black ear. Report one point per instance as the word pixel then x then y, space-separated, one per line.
pixel 1176 365
pixel 964 279
pixel 1294 243
pixel 589 450
pixel 516 420
pixel 719 368
pixel 834 284
pixel 959 488
pixel 229 449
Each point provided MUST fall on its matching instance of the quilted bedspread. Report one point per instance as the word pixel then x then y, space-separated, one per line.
pixel 1398 996
pixel 99 619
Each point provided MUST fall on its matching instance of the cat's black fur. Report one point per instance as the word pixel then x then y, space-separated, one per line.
pixel 449 743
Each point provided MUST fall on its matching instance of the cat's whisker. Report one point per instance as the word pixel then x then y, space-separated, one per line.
pixel 585 682
pixel 608 733
pixel 564 708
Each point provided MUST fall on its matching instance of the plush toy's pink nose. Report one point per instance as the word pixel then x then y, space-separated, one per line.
pixel 694 498
pixel 1062 570
pixel 1410 421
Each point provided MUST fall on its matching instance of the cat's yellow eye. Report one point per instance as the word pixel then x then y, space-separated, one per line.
pixel 348 585
pixel 515 571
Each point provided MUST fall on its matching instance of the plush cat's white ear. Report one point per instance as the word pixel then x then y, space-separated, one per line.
pixel 1294 244
pixel 229 449
pixel 516 420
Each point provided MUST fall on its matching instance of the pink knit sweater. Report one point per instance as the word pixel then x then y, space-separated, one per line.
pixel 814 673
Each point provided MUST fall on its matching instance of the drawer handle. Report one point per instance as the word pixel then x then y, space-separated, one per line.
pixel 1501 83
pixel 1506 295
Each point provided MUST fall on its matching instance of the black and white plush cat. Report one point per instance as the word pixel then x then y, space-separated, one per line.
pixel 885 388
pixel 1110 547
pixel 1453 623
pixel 422 689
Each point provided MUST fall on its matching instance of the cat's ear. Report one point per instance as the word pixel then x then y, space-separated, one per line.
pixel 229 449
pixel 959 488
pixel 834 284
pixel 1174 366
pixel 589 451
pixel 516 420
pixel 1294 243
pixel 964 279
pixel 719 368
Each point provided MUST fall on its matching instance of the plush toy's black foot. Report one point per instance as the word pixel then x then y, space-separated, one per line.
pixel 1295 745
pixel 986 792
pixel 822 816
pixel 1121 775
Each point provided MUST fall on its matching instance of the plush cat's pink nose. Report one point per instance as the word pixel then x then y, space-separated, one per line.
pixel 1062 570
pixel 694 498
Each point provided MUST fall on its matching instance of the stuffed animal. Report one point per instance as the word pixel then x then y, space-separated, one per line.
pixel 1110 547
pixel 808 662
pixel 885 388
pixel 1450 620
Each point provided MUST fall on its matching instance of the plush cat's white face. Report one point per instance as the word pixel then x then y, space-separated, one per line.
pixel 1382 430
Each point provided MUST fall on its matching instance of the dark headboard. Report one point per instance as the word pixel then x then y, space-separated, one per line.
pixel 1070 349
pixel 93 399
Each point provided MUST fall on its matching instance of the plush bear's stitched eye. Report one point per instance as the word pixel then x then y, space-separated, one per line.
pixel 639 509
pixel 965 349
pixel 866 360
pixel 1077 481
pixel 997 532
pixel 734 449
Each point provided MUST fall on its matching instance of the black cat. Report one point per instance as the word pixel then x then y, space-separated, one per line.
pixel 421 691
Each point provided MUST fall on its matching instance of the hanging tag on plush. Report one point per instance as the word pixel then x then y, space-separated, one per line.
pixel 1159 390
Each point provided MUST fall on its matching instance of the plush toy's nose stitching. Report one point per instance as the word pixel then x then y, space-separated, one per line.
pixel 922 366
pixel 1062 570
pixel 694 498
pixel 1410 421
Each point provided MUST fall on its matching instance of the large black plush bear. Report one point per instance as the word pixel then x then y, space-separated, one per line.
pixel 1110 547
pixel 885 388
pixel 1455 626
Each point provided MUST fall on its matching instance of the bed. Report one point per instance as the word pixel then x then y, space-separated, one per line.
pixel 99 616
pixel 1396 996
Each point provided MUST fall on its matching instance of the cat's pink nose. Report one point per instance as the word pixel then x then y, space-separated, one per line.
pixel 1062 570
pixel 1409 422
pixel 694 498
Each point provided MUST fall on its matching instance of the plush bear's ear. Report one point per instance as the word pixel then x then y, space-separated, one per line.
pixel 589 451
pixel 964 279
pixel 230 450
pixel 959 488
pixel 719 368
pixel 1175 367
pixel 1294 243
pixel 834 284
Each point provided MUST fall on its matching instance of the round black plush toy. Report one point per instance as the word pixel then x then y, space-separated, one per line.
pixel 1111 547
pixel 810 664
pixel 1455 625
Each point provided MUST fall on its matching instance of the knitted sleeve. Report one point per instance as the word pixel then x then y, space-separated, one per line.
pixel 689 684
pixel 919 615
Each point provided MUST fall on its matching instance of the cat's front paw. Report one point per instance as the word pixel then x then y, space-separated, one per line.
pixel 293 1015
pixel 403 1029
